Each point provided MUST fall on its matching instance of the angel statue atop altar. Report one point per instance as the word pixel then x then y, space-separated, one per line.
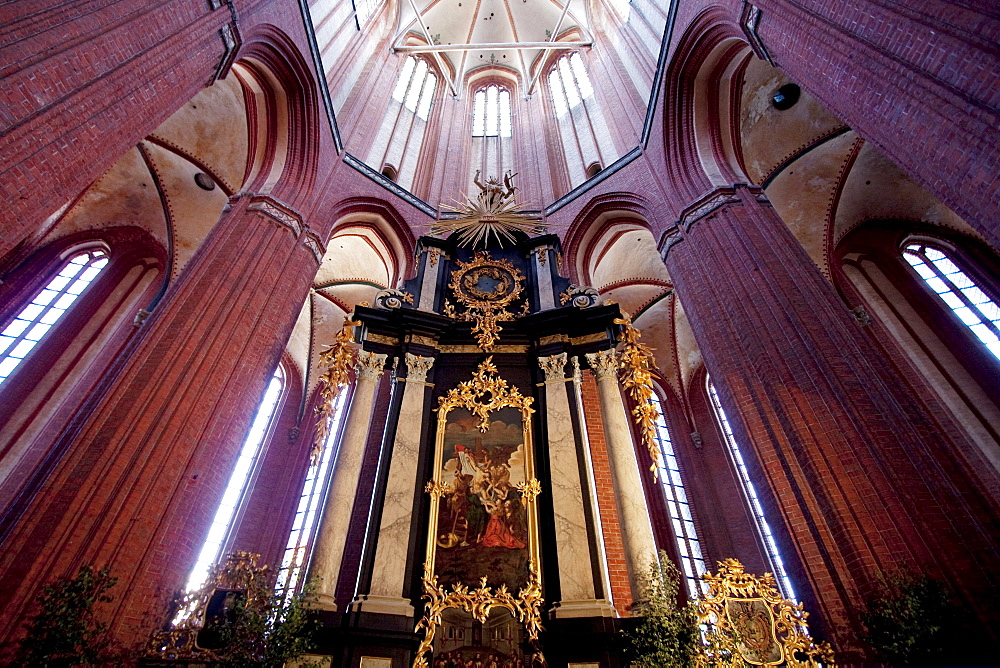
pixel 494 194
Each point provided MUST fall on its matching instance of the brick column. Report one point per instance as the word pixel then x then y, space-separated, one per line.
pixel 916 79
pixel 138 488
pixel 856 480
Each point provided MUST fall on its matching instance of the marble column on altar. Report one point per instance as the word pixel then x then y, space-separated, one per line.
pixel 332 535
pixel 389 575
pixel 576 556
pixel 633 514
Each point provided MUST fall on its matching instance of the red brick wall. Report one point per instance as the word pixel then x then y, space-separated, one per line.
pixel 621 590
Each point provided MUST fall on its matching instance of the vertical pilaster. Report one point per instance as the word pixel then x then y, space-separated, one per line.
pixel 637 534
pixel 389 573
pixel 332 536
pixel 575 554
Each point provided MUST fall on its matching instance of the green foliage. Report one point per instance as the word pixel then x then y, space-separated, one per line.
pixel 270 634
pixel 909 620
pixel 66 631
pixel 664 635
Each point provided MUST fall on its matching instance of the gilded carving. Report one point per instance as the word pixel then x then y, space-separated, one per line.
pixel 339 358
pixel 750 622
pixel 486 288
pixel 494 212
pixel 638 368
pixel 190 637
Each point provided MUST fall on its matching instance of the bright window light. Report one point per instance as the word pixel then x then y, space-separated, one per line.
pixel 968 302
pixel 491 112
pixel 415 87
pixel 249 453
pixel 364 10
pixel 784 583
pixel 688 546
pixel 38 317
pixel 303 526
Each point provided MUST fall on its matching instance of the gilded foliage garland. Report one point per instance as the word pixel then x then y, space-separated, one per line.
pixel 638 367
pixel 339 359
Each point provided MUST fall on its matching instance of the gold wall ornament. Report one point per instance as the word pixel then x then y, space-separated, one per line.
pixel 638 367
pixel 486 288
pixel 750 622
pixel 485 393
pixel 339 358
pixel 479 602
pixel 494 212
pixel 239 574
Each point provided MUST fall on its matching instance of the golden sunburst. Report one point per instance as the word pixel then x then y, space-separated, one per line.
pixel 493 212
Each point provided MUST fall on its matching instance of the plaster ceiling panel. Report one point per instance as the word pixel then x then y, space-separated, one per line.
pixel 876 189
pixel 803 193
pixel 193 210
pixel 355 255
pixel 125 195
pixel 688 352
pixel 657 333
pixel 211 129
pixel 769 136
pixel 451 22
pixel 327 321
pixel 628 254
pixel 633 298
pixel 349 294
pixel 299 341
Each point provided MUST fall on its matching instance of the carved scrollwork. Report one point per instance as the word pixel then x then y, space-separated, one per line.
pixel 580 296
pixel 485 393
pixel 479 602
pixel 339 358
pixel 392 299
pixel 486 288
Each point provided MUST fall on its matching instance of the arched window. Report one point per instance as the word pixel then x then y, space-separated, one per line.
pixel 303 533
pixel 967 300
pixel 47 307
pixel 681 520
pixel 364 10
pixel 245 465
pixel 770 545
pixel 401 134
pixel 585 136
pixel 491 132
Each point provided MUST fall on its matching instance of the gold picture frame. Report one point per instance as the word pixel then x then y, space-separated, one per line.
pixel 496 475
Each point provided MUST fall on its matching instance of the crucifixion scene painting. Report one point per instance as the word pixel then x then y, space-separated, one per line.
pixel 483 520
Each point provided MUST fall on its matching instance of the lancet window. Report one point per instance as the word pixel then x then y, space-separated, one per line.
pixel 364 10
pixel 401 134
pixel 250 452
pixel 960 293
pixel 749 489
pixel 35 320
pixel 492 130
pixel 586 140
pixel 681 520
pixel 300 540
